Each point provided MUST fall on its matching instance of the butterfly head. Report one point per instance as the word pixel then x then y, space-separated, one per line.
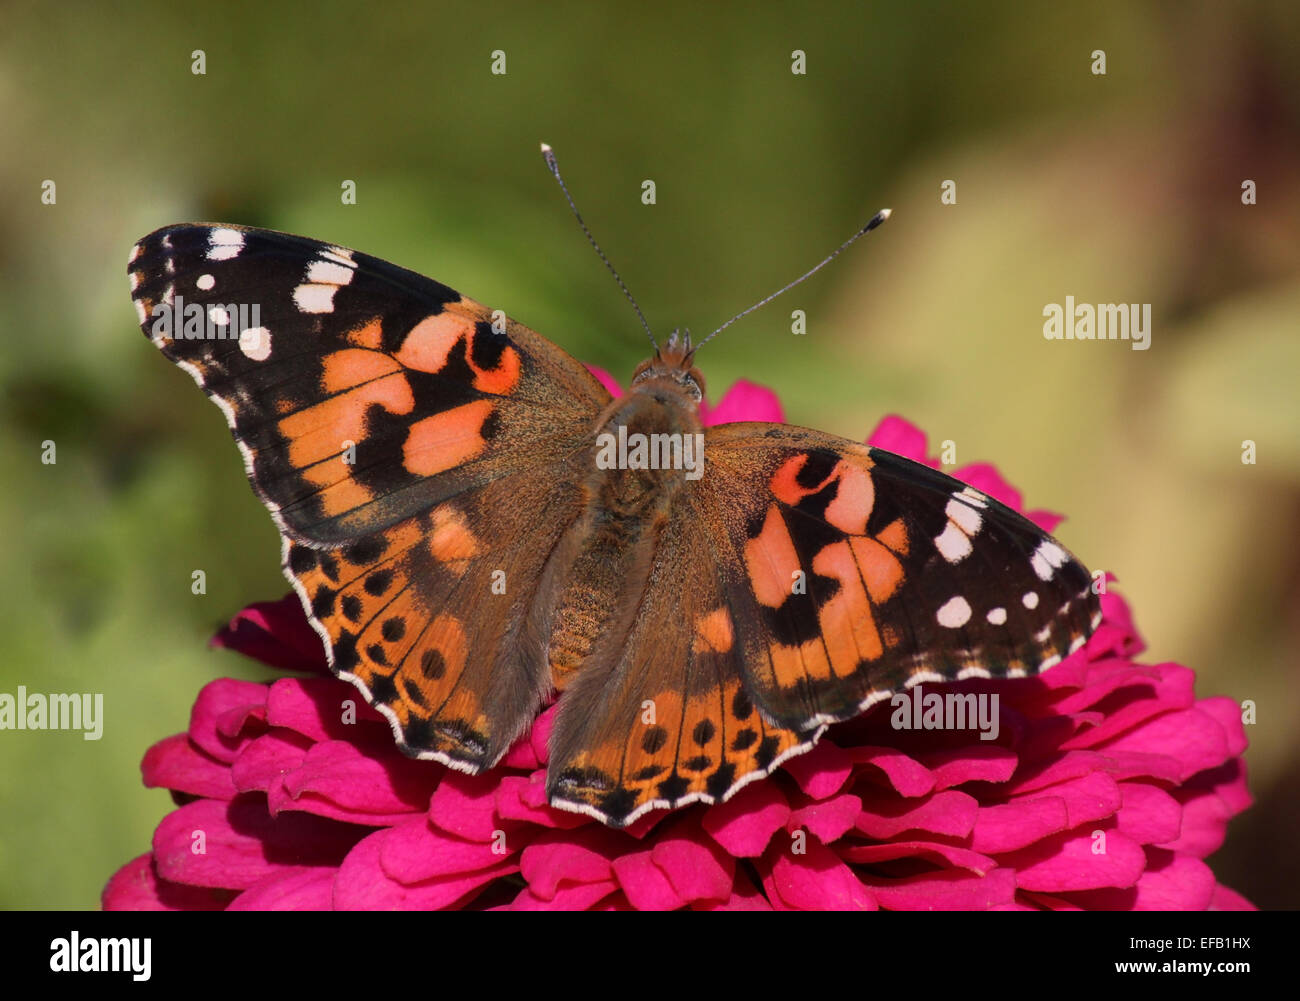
pixel 673 364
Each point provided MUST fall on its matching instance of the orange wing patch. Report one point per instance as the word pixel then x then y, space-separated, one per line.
pixel 443 441
pixel 430 343
pixel 771 560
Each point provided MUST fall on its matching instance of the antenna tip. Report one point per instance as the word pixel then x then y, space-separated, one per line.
pixel 546 148
pixel 875 221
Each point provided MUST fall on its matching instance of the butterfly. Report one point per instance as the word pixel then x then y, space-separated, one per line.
pixel 473 524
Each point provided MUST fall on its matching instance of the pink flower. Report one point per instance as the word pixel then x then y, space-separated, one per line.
pixel 1109 785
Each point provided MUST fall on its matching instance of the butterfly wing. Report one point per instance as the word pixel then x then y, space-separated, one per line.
pixel 854 573
pixel 666 717
pixel 394 429
pixel 807 577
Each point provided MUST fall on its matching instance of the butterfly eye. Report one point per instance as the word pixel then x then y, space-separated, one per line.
pixel 692 388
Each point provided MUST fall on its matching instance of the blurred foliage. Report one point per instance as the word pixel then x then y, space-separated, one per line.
pixel 1115 188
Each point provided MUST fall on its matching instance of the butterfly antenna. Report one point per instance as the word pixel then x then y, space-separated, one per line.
pixel 876 220
pixel 549 155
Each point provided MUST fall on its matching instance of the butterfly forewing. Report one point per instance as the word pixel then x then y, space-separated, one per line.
pixel 855 573
pixel 395 430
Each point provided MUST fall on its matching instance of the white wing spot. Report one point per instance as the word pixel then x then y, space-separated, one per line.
pixel 315 298
pixel 997 616
pixel 219 316
pixel 205 282
pixel 964 516
pixel 1030 600
pixel 953 544
pixel 329 273
pixel 975 497
pixel 954 614
pixel 224 244
pixel 255 342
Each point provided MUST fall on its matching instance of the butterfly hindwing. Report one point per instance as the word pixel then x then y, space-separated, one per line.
pixel 666 717
pixel 394 429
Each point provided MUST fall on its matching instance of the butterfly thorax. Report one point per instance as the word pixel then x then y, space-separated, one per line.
pixel 647 448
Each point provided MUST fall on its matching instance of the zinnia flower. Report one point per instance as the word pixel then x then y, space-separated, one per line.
pixel 1108 786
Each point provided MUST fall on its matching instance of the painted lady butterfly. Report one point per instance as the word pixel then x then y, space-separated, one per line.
pixel 432 467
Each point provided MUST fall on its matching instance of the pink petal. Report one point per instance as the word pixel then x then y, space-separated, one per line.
pixel 606 380
pixel 1194 737
pixel 243 843
pixel 1087 798
pixel 1014 825
pixel 362 884
pixel 413 852
pixel 961 857
pixel 523 798
pixel 1066 862
pixel 1150 691
pixel 1138 764
pixel 744 401
pixel 1117 635
pixel 745 896
pixel 315 708
pixel 1150 816
pixel 908 776
pixel 225 714
pixel 1170 883
pixel 465 805
pixel 1203 828
pixel 540 736
pixel 744 824
pixel 175 763
pixel 696 867
pixel 1228 715
pixel 816 881
pixel 821 772
pixel 276 633
pixel 294 889
pixel 950 813
pixel 1071 765
pixel 894 434
pixel 337 779
pixel 570 857
pixel 646 885
pixel 828 819
pixel 137 887
pixel 973 763
pixel 571 897
pixel 947 891
pixel 263 763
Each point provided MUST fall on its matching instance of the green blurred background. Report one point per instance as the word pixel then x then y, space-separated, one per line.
pixel 1117 188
